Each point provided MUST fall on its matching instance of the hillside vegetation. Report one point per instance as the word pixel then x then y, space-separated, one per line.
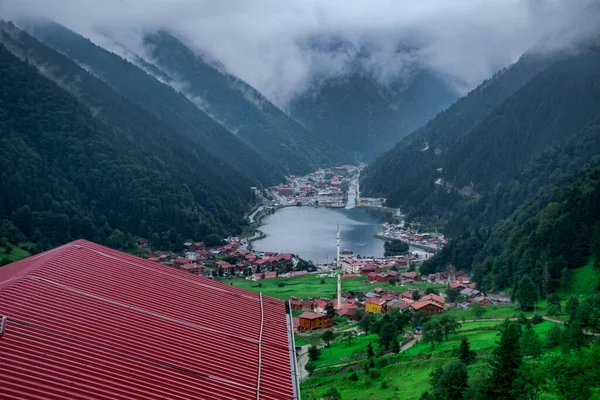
pixel 66 173
pixel 244 110
pixel 543 242
pixel 528 127
pixel 159 99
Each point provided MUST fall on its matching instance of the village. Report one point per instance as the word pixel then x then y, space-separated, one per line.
pixel 322 188
pixel 459 293
pixel 385 277
pixel 428 241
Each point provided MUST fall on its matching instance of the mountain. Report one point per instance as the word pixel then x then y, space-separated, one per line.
pixel 543 239
pixel 160 100
pixel 367 117
pixel 78 160
pixel 242 109
pixel 473 163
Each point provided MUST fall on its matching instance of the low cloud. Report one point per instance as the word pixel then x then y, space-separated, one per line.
pixel 284 48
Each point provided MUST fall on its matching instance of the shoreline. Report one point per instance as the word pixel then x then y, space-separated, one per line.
pixel 417 245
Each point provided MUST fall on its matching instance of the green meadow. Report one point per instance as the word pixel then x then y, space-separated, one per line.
pixel 311 285
pixel 402 376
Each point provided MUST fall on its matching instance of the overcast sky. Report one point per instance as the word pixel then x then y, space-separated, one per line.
pixel 271 43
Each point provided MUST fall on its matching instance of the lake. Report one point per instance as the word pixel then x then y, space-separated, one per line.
pixel 310 232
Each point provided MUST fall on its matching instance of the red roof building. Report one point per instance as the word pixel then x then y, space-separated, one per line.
pixel 308 321
pixel 84 321
pixel 180 261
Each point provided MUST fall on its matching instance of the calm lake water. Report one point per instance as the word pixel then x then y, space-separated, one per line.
pixel 310 232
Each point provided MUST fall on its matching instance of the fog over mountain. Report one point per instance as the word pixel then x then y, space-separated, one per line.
pixel 277 46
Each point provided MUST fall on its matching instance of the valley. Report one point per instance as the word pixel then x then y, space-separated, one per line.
pixel 317 202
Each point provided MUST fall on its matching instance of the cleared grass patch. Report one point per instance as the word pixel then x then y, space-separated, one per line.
pixel 582 281
pixel 15 255
pixel 341 351
pixel 404 381
pixel 308 286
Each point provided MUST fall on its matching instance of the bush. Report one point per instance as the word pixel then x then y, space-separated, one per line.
pixel 353 377
pixel 366 366
pixel 553 310
pixel 382 362
pixel 281 284
pixel 374 373
pixel 537 319
pixel 332 394
pixel 553 337
pixel 314 352
pixel 8 250
pixel 310 367
pixel 522 319
pixel 322 281
pixel 384 385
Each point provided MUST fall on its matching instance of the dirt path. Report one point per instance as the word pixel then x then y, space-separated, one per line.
pixel 302 360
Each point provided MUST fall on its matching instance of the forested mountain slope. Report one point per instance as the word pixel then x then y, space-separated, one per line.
pixel 366 117
pixel 483 148
pixel 242 109
pixel 159 99
pixel 66 174
pixel 543 239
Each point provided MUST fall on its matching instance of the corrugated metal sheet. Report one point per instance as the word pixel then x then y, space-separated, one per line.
pixel 88 322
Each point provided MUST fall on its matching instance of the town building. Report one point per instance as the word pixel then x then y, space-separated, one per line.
pixel 309 321
pixel 429 306
pixel 374 305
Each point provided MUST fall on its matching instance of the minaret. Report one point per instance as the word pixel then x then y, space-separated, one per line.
pixel 339 276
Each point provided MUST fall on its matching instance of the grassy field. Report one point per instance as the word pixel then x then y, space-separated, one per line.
pixel 307 286
pixel 403 381
pixel 407 375
pixel 341 351
pixel 482 338
pixel 582 281
pixel 15 255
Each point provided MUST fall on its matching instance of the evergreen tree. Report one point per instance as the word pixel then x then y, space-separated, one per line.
pixel 526 294
pixel 396 346
pixel 572 307
pixel 505 362
pixel 554 307
pixel 530 342
pixel 388 335
pixel 553 337
pixel 465 353
pixel 370 351
pixel 449 382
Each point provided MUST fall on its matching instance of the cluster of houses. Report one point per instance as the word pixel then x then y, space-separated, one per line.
pixel 363 266
pixel 317 311
pixel 426 240
pixel 229 259
pixel 323 188
pixel 353 306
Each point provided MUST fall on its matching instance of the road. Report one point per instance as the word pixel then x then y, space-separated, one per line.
pixel 302 360
pixel 251 216
pixel 351 202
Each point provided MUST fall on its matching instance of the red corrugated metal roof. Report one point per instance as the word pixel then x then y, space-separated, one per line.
pixel 88 322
